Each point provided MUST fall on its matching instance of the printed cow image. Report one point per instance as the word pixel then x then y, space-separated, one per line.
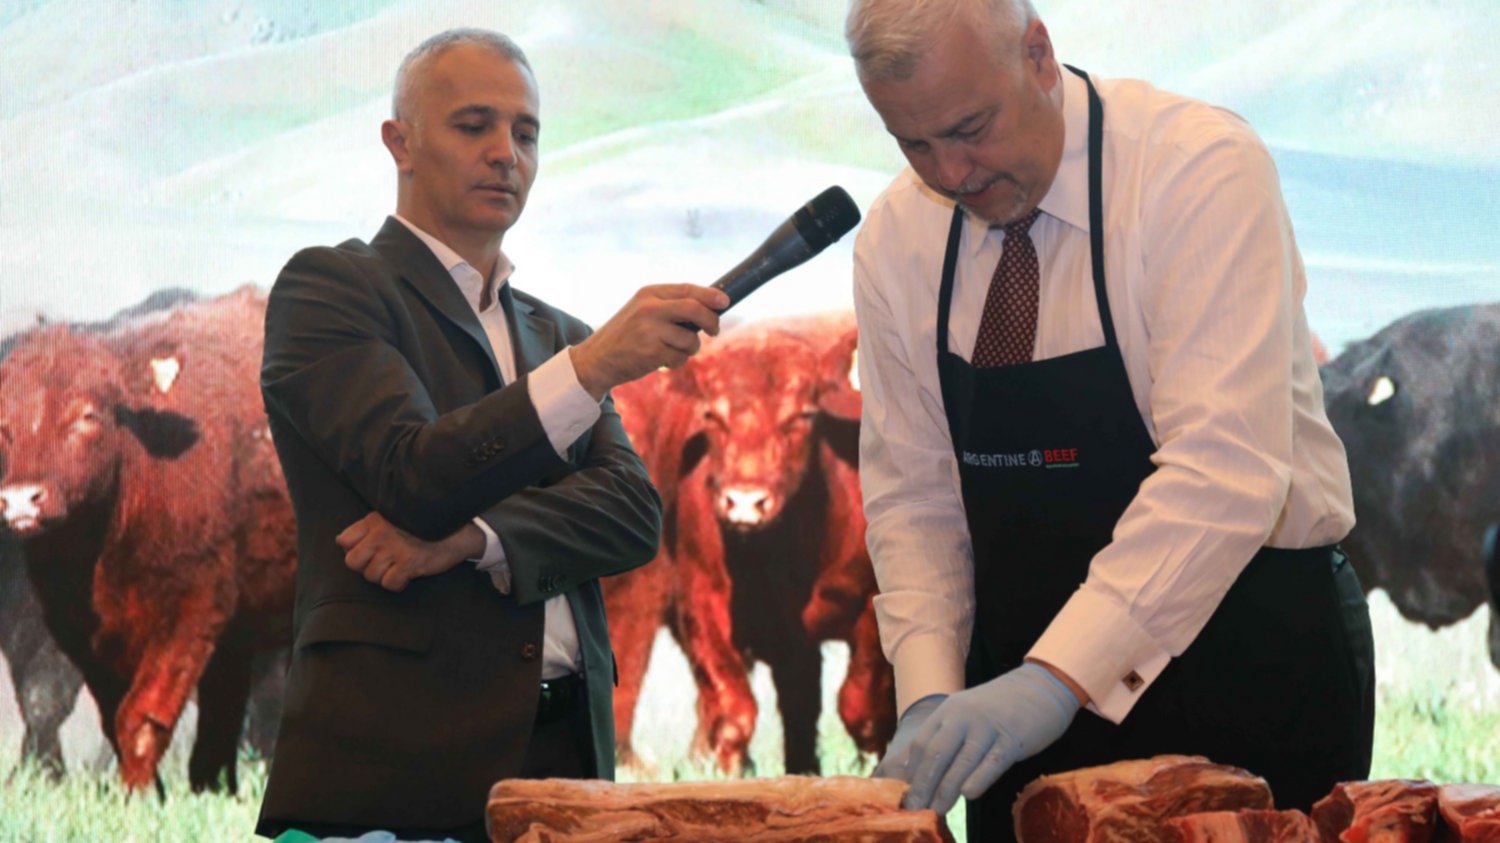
pixel 45 680
pixel 754 446
pixel 140 480
pixel 1418 408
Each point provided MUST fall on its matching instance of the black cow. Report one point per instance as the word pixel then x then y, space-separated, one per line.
pixel 1418 408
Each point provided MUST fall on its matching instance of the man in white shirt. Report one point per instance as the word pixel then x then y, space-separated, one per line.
pixel 1094 456
pixel 428 416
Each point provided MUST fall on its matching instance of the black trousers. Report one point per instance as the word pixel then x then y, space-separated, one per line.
pixel 562 743
pixel 1280 682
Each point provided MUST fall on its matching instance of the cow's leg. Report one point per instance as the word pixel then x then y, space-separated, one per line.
pixel 267 690
pixel 726 705
pixel 846 578
pixel 867 699
pixel 1495 636
pixel 1492 578
pixel 635 602
pixel 46 686
pixel 223 694
pixel 169 668
pixel 797 671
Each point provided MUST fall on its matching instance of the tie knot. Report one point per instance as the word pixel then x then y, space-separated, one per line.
pixel 1022 225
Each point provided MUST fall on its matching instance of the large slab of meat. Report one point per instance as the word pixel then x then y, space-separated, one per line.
pixel 789 809
pixel 1245 827
pixel 1385 811
pixel 1471 812
pixel 1132 800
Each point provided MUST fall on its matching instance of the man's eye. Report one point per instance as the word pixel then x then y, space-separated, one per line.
pixel 528 138
pixel 471 128
pixel 914 146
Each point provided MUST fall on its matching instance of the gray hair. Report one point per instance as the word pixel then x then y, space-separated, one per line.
pixel 888 37
pixel 441 43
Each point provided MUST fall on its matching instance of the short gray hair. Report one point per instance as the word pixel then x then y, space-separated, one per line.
pixel 888 37
pixel 442 43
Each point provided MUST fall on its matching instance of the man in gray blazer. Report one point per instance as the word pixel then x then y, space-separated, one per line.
pixel 460 480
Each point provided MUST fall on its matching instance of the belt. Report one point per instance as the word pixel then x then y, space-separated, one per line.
pixel 558 697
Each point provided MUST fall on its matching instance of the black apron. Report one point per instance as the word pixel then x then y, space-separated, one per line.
pixel 1280 681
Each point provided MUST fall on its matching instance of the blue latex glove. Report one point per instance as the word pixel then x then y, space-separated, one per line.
pixel 906 728
pixel 976 735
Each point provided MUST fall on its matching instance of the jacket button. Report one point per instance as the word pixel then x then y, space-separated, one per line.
pixel 529 650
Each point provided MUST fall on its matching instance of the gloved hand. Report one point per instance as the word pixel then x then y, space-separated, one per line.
pixel 975 735
pixel 916 714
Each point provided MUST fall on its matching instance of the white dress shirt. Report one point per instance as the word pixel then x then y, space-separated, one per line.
pixel 1206 287
pixel 566 410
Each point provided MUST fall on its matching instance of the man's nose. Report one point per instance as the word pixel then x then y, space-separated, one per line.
pixel 502 152
pixel 953 166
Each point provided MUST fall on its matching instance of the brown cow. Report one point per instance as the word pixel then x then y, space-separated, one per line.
pixel 140 479
pixel 753 445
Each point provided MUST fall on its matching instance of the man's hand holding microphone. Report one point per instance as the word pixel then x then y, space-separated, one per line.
pixel 654 329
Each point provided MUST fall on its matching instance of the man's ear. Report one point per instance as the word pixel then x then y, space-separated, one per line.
pixel 396 134
pixel 1038 46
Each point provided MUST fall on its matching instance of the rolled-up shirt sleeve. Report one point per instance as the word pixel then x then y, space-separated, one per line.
pixel 918 537
pixel 1221 296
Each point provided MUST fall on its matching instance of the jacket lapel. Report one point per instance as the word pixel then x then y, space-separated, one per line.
pixel 421 271
pixel 531 335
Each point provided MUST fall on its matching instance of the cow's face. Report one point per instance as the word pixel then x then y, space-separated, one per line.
pixel 762 401
pixel 60 393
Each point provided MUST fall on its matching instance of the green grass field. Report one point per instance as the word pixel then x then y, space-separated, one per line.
pixel 1438 718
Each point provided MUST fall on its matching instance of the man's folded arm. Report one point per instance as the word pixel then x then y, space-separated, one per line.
pixel 601 519
pixel 333 373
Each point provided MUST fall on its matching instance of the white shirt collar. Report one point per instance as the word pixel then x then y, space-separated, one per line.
pixel 464 274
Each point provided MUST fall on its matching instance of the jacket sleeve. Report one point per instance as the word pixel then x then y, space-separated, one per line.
pixel 602 518
pixel 336 372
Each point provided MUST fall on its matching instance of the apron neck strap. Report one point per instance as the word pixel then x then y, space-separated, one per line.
pixel 1096 204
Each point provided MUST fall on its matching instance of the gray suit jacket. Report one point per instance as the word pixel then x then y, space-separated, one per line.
pixel 382 392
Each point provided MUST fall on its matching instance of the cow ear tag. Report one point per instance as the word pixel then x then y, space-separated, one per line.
pixel 164 372
pixel 1383 390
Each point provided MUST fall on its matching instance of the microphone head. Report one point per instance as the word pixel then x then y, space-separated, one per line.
pixel 829 216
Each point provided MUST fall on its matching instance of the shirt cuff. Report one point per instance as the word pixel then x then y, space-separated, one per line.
pixel 1097 644
pixel 926 665
pixel 565 407
pixel 493 561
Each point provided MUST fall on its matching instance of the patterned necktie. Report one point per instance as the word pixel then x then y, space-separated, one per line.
pixel 1007 331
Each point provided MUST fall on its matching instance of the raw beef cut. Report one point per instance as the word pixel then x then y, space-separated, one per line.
pixel 789 809
pixel 1385 811
pixel 1132 800
pixel 1245 827
pixel 1471 812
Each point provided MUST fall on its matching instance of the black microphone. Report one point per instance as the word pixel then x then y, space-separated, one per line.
pixel 813 228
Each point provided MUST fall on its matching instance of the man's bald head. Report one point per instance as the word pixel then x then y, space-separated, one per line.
pixel 410 74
